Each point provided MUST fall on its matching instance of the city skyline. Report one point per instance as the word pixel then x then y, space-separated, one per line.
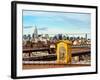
pixel 56 22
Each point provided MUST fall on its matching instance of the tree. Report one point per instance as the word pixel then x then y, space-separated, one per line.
pixel 78 37
pixel 67 37
pixel 29 36
pixel 71 38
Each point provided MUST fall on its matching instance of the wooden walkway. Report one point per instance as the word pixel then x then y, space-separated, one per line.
pixel 43 66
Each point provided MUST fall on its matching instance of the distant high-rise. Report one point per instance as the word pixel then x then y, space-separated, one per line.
pixel 35 32
pixel 86 36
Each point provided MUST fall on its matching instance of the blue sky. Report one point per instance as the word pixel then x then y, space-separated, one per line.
pixel 56 22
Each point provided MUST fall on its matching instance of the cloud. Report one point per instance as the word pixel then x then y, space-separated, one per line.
pixel 57 22
pixel 62 15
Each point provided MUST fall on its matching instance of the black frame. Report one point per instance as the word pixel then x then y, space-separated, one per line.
pixel 14 37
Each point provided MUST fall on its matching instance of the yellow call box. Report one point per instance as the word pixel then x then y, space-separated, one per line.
pixel 64 52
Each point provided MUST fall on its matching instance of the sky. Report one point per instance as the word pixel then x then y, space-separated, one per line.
pixel 56 22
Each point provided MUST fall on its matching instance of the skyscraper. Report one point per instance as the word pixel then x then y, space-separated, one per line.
pixel 35 32
pixel 86 36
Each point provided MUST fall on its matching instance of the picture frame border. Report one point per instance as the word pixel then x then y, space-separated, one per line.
pixel 14 38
